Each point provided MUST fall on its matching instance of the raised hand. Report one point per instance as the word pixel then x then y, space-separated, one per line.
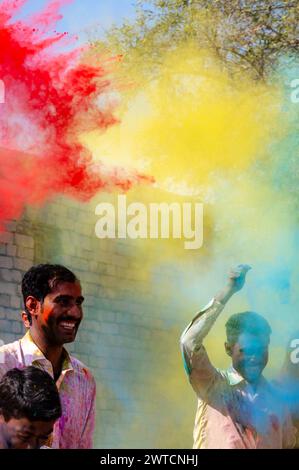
pixel 236 280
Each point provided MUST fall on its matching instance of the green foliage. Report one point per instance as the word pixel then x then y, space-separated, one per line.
pixel 245 35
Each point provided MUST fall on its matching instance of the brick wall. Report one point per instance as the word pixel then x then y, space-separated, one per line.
pixel 16 256
pixel 126 338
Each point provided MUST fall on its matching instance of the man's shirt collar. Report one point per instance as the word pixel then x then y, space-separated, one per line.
pixel 32 354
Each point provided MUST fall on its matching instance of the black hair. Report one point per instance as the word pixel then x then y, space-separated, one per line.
pixel 247 322
pixel 29 393
pixel 41 279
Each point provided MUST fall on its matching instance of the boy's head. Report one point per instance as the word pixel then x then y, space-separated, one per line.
pixel 248 338
pixel 29 407
pixel 53 303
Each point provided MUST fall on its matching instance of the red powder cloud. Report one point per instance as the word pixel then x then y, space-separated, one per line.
pixel 50 97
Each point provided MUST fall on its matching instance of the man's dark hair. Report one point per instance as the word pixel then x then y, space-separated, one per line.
pixel 41 279
pixel 29 393
pixel 247 322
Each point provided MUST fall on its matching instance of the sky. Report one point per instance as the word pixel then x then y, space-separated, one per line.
pixel 87 18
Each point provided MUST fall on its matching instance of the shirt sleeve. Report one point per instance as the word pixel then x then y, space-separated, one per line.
pixel 290 434
pixel 202 374
pixel 86 441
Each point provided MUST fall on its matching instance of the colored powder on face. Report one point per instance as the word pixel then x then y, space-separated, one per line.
pixel 50 98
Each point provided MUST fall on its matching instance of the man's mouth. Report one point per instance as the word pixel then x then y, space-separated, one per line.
pixel 68 325
pixel 253 367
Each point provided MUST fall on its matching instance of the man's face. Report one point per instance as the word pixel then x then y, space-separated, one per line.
pixel 24 434
pixel 249 356
pixel 60 314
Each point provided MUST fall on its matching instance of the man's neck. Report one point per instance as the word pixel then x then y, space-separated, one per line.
pixel 54 353
pixel 256 384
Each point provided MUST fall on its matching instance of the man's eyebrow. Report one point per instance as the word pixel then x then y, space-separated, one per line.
pixel 68 297
pixel 63 297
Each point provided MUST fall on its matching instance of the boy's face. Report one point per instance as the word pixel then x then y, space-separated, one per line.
pixel 24 434
pixel 249 356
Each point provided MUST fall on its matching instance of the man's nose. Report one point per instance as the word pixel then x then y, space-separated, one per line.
pixel 254 356
pixel 76 311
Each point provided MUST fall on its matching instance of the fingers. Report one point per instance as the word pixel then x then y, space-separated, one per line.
pixel 239 270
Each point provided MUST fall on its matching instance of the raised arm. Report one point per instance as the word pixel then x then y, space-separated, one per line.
pixel 197 364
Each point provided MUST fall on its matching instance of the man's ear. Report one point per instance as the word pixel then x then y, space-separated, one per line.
pixel 32 307
pixel 228 349
pixel 26 321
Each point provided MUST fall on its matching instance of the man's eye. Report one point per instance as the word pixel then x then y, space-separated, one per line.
pixel 63 302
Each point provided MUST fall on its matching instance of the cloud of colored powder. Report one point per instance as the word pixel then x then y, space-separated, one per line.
pixel 197 131
pixel 50 98
pixel 234 144
pixel 191 121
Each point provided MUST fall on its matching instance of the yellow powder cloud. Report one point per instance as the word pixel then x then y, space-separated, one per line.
pixel 189 122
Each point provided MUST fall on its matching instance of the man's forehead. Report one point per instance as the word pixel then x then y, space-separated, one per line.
pixel 22 424
pixel 42 426
pixel 249 339
pixel 72 289
pixel 33 427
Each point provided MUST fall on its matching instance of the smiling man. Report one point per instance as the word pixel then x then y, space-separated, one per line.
pixel 53 312
pixel 237 408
